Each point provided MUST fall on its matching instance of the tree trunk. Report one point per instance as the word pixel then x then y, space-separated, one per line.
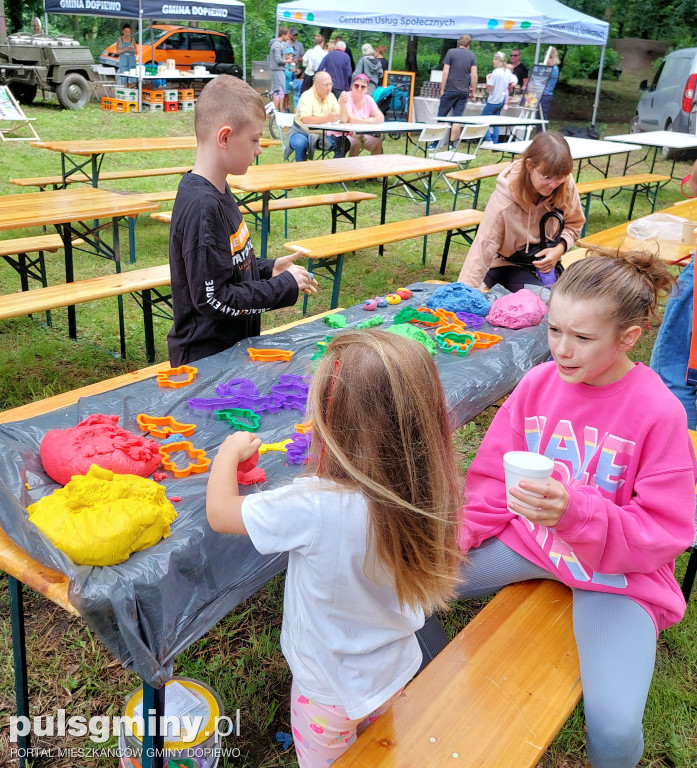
pixel 412 45
pixel 326 33
pixel 447 45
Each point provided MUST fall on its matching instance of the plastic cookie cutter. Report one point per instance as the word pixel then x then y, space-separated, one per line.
pixel 281 445
pixel 449 318
pixel 164 378
pixel 460 343
pixel 270 355
pixel 469 319
pixel 304 428
pixel 458 328
pixel 485 340
pixel 240 386
pixel 164 426
pixel 411 315
pixel 235 416
pixel 428 317
pixel 298 450
pixel 197 459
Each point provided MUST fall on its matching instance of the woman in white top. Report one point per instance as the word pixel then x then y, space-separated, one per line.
pixel 498 83
pixel 311 60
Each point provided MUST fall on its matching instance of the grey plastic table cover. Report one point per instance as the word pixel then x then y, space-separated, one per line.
pixel 157 603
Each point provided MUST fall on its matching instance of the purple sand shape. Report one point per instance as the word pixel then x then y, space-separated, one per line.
pixel 471 320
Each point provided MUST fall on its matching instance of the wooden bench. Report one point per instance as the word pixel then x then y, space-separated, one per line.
pixel 141 283
pixel 496 696
pixel 27 266
pixel 140 173
pixel 335 199
pixel 327 251
pixel 641 182
pixel 471 178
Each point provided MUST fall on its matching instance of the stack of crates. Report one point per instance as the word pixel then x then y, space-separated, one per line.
pixel 119 105
pixel 170 97
pixel 126 94
pixel 186 99
pixel 153 101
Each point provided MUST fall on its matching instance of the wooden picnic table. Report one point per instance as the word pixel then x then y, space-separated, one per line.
pixel 96 149
pixel 670 250
pixel 262 180
pixel 73 213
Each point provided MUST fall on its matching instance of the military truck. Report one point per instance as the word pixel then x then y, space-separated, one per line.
pixel 60 64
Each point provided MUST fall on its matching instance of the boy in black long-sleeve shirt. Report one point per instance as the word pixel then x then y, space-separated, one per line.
pixel 219 287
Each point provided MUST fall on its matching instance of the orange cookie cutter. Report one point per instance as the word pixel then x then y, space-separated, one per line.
pixel 164 426
pixel 199 464
pixel 164 377
pixel 270 355
pixel 485 340
pixel 304 428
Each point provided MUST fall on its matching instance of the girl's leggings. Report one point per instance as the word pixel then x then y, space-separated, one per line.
pixel 616 641
pixel 323 732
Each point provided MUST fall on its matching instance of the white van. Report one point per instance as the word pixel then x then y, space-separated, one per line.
pixel 669 102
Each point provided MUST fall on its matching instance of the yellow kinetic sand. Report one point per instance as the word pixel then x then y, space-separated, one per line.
pixel 101 518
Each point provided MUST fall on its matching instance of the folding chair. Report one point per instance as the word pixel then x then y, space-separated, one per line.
pixel 14 118
pixel 469 133
pixel 432 138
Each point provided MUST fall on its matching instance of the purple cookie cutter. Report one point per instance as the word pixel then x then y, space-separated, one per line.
pixel 298 449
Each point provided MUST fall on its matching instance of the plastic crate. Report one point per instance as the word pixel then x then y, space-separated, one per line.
pixel 154 97
pixel 126 94
pixel 124 106
pixel 171 94
pixel 108 104
pixel 186 94
pixel 186 106
pixel 171 106
pixel 148 107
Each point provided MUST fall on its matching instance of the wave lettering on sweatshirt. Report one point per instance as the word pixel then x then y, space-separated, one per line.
pixel 600 462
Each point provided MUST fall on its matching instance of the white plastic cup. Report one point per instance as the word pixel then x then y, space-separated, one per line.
pixel 524 465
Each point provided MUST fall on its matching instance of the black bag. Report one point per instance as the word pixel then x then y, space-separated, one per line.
pixel 525 258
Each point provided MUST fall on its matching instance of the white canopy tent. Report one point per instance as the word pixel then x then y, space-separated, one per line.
pixel 511 21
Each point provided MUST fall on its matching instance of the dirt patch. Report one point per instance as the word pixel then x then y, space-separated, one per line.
pixel 639 56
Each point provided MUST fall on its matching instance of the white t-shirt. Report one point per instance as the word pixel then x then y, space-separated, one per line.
pixel 313 58
pixel 344 636
pixel 500 79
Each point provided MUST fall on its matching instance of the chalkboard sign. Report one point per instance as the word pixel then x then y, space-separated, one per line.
pixel 537 82
pixel 403 99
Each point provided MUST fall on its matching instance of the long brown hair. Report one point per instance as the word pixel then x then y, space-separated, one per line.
pixel 380 426
pixel 629 282
pixel 549 154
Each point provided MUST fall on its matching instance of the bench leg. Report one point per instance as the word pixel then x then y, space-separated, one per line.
pixel 132 238
pixel 350 214
pixel 19 657
pixel 337 281
pixel 334 268
pixel 119 299
pixel 310 268
pixel 689 581
pixel 446 249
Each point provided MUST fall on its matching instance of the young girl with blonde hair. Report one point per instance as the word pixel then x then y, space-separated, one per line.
pixel 620 505
pixel 371 534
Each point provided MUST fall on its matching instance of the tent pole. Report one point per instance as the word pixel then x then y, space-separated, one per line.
pixel 537 47
pixel 244 50
pixel 597 88
pixel 391 50
pixel 140 68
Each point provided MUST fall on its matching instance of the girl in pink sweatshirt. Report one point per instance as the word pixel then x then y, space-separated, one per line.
pixel 620 505
pixel 537 184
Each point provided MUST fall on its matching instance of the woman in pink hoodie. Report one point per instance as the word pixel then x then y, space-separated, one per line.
pixel 539 183
pixel 620 505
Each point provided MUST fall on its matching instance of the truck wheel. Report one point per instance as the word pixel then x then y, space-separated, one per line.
pixel 25 93
pixel 73 92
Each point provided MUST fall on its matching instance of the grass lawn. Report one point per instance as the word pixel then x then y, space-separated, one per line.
pixel 241 657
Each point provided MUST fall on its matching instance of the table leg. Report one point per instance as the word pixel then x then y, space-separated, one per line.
pixel 428 207
pixel 66 232
pixel 264 223
pixel 117 260
pixel 153 711
pixel 383 209
pixel 19 657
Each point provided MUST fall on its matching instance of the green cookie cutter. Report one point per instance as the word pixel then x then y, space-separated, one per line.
pixel 234 417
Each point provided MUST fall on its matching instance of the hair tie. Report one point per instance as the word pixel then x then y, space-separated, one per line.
pixel 682 186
